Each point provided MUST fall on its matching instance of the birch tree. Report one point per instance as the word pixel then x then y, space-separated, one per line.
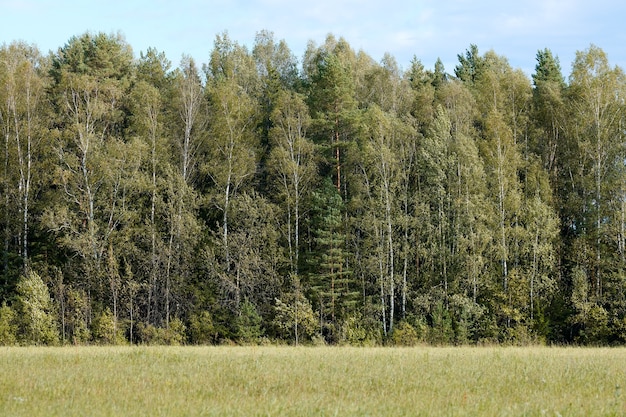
pixel 233 148
pixel 384 178
pixel 596 96
pixel 22 118
pixel 293 163
pixel 91 75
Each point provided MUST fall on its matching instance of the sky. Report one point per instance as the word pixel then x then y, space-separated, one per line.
pixel 425 29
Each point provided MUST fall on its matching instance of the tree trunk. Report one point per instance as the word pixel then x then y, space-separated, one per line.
pixel 391 255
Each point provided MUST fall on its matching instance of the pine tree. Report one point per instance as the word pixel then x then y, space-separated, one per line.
pixel 330 282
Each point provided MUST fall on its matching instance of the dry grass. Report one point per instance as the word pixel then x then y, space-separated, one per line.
pixel 193 381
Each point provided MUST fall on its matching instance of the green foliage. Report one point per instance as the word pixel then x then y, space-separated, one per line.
pixel 295 319
pixel 467 318
pixel 248 324
pixel 470 66
pixel 76 317
pixel 331 283
pixel 174 335
pixel 106 329
pixel 521 335
pixel 201 328
pixel 480 207
pixel 357 330
pixel 405 335
pixel 8 326
pixel 35 312
pixel 441 332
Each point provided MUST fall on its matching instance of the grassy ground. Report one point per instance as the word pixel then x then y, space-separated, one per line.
pixel 278 381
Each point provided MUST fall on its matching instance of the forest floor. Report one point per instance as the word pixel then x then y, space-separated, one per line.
pixel 279 381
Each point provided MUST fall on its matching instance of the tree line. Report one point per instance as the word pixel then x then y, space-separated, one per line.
pixel 334 199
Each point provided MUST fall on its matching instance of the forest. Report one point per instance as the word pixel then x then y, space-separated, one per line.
pixel 332 199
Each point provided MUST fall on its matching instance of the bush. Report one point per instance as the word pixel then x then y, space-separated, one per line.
pixel 152 335
pixel 318 340
pixel 248 324
pixel 441 332
pixel 405 335
pixel 521 335
pixel 201 328
pixel 466 315
pixel 298 313
pixel 8 327
pixel 595 324
pixel 106 331
pixel 358 331
pixel 35 317
pixel 148 334
pixel 76 316
pixel 176 334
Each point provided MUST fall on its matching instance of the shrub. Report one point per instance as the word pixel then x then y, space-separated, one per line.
pixel 147 333
pixel 152 335
pixel 405 335
pixel 106 330
pixel 8 327
pixel 297 314
pixel 248 323
pixel 76 313
pixel 441 332
pixel 36 322
pixel 466 315
pixel 175 335
pixel 201 328
pixel 358 331
pixel 521 335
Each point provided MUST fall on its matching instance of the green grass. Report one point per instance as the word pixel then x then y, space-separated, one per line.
pixel 278 381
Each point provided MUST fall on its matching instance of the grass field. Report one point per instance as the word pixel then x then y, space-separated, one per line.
pixel 277 381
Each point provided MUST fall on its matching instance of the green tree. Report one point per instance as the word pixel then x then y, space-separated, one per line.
pixel 232 61
pixel 595 101
pixel 8 326
pixel 542 228
pixel 256 256
pixel 470 66
pixel 105 328
pixel 383 178
pixel 502 160
pixel 591 184
pixel 233 149
pixel 248 323
pixel 275 61
pixel 549 86
pixel 234 116
pixel 201 328
pixel 330 281
pixel 166 116
pixel 332 100
pixel 473 213
pixel 190 100
pixel 147 124
pixel 24 123
pixel 277 71
pixel 34 310
pixel 91 75
pixel 295 319
pixel 423 92
pixel 187 135
pixel 292 162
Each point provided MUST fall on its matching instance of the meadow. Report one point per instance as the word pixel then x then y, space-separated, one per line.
pixel 280 381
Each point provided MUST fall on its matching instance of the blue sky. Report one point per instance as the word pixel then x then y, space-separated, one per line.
pixel 428 29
